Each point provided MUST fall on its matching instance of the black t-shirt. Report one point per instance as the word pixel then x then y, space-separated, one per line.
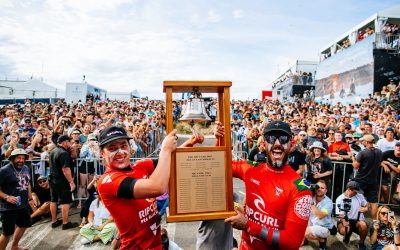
pixel 15 182
pixel 308 141
pixel 390 157
pixel 256 155
pixel 318 165
pixel 370 160
pixel 59 158
pixel 296 158
pixel 42 193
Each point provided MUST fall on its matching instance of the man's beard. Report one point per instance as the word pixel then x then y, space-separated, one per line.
pixel 18 164
pixel 270 159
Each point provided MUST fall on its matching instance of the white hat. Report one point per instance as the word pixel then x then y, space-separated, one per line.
pixel 317 144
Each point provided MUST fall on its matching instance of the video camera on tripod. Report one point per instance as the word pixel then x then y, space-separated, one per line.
pixel 346 207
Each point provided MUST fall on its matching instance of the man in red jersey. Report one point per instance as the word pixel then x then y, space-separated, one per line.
pixel 129 190
pixel 278 200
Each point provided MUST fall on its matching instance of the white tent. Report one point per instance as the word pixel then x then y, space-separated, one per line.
pixel 32 88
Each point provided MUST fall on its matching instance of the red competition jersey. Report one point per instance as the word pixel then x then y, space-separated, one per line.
pixel 278 205
pixel 136 219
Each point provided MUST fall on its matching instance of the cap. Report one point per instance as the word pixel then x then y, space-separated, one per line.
pixel 353 185
pixel 390 129
pixel 112 133
pixel 397 144
pixel 63 138
pixel 302 133
pixel 91 137
pixel 42 177
pixel 18 151
pixel 317 144
pixel 369 138
pixel 29 150
pixel 76 132
pixel 357 135
pixel 347 126
pixel 349 136
pixel 321 130
pixel 278 126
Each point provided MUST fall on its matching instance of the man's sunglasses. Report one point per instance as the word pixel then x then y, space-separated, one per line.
pixel 283 139
pixel 42 181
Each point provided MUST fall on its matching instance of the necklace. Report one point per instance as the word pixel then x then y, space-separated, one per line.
pixel 18 174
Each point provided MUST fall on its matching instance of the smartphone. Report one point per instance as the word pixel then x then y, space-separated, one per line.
pixel 391 214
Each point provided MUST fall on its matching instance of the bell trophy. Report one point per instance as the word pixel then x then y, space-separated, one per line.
pixel 200 186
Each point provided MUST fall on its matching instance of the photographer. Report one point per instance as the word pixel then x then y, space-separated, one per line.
pixel 321 216
pixel 351 206
pixel 383 229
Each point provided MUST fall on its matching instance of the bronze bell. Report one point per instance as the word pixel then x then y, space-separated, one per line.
pixel 195 110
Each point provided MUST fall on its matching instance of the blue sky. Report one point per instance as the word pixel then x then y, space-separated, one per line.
pixel 122 45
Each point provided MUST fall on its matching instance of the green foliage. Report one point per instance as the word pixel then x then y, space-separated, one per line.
pixel 203 128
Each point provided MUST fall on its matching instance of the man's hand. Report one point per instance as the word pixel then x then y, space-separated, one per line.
pixel 36 200
pixel 33 203
pixel 219 130
pixel 196 138
pixel 317 175
pixel 387 170
pixel 100 227
pixel 12 199
pixel 238 221
pixel 363 209
pixel 72 186
pixel 345 223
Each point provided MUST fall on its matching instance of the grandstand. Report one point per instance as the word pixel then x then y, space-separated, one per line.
pixel 295 80
pixel 361 61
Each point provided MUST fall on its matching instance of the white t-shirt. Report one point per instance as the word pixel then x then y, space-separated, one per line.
pixel 100 212
pixel 357 201
pixel 384 145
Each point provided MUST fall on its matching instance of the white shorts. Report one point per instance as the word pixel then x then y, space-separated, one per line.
pixel 320 232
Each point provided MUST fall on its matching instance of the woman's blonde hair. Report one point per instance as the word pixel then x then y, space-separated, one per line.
pixel 379 211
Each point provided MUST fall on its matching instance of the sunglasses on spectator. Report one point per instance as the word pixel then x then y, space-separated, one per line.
pixel 302 135
pixel 283 139
pixel 41 181
pixel 384 213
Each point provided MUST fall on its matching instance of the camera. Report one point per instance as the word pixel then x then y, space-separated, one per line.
pixel 314 188
pixel 345 206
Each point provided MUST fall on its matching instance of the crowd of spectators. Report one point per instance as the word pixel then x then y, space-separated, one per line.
pixel 297 78
pixel 326 136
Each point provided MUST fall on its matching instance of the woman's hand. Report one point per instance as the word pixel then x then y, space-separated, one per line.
pixel 376 225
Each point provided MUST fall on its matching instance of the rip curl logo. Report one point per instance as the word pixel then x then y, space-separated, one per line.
pixel 259 203
pixel 278 191
pixel 114 132
pixel 302 207
pixel 154 228
pixel 107 179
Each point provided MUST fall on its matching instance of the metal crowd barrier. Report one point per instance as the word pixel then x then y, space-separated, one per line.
pixel 385 41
